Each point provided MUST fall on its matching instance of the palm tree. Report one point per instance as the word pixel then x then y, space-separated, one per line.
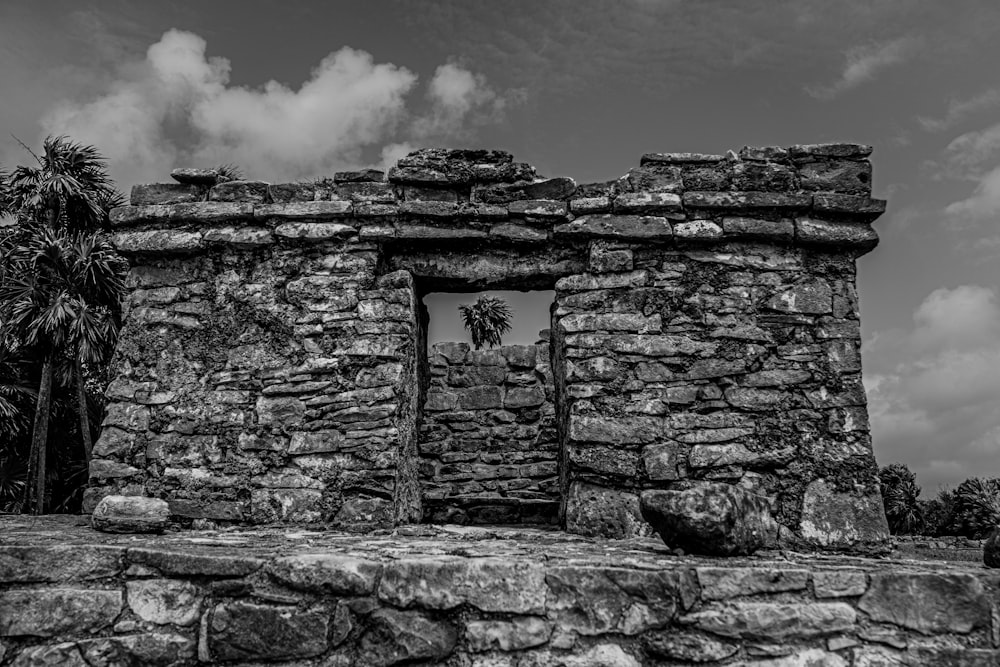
pixel 487 320
pixel 61 283
pixel 901 497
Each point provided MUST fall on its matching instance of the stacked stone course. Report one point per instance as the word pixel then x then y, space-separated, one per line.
pixel 474 599
pixel 706 328
pixel 488 445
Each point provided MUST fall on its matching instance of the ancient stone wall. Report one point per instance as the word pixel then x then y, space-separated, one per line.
pixel 488 442
pixel 706 328
pixel 505 599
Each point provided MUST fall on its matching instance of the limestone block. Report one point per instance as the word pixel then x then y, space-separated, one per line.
pixel 775 621
pixel 520 632
pixel 147 648
pixel 244 631
pixel 333 574
pixel 195 176
pixel 823 232
pixel 689 646
pixel 697 230
pixel 165 193
pixel 599 600
pixel 838 519
pixel 638 227
pixel 292 505
pixel 550 188
pixel 480 398
pixel 710 518
pixel 538 210
pixel 518 233
pixel 766 176
pixel 632 430
pixel 157 241
pixel 589 281
pixel 130 514
pixel 763 153
pixel 189 561
pixel 253 192
pixel 488 584
pixel 746 200
pixel 359 176
pixel 680 158
pixel 58 563
pixel 783 229
pixel 839 583
pixel 661 461
pixel 313 231
pixel 844 176
pixel 241 237
pixel 723 583
pixel 585 205
pixel 814 297
pixel 395 637
pixel 835 150
pixel 598 511
pixel 281 193
pixel 51 612
pixel 111 469
pixel 645 203
pixel 164 601
pixel 929 603
pixel 605 460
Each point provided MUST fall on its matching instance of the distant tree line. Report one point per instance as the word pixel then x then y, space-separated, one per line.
pixel 972 509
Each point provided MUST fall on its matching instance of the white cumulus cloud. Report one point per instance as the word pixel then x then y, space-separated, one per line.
pixel 864 63
pixel 177 107
pixel 934 391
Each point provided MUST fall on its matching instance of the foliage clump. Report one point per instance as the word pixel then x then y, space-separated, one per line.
pixel 487 320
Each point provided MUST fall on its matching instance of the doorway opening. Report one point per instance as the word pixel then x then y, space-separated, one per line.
pixel 488 445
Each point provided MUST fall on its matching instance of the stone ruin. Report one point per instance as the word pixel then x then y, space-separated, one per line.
pixel 274 366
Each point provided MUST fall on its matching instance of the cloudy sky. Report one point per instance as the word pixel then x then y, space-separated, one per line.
pixel 583 88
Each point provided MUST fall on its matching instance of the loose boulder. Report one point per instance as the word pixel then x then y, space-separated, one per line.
pixel 991 549
pixel 130 514
pixel 710 519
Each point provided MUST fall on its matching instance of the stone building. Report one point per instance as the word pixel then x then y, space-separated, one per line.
pixel 274 365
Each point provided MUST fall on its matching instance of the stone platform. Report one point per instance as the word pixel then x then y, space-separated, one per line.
pixel 485 597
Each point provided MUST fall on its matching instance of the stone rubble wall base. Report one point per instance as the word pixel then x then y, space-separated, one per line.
pixel 706 327
pixel 158 604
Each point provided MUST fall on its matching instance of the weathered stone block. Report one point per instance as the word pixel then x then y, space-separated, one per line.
pixel 50 612
pixel 839 519
pixel 195 176
pixel 846 176
pixel 710 518
pixel 775 621
pixel 244 631
pixel 164 601
pixel 600 600
pixel 395 637
pixel 928 603
pixel 595 510
pixel 165 193
pixel 130 514
pixel 480 398
pixel 617 227
pixel 253 192
pixel 489 584
pixel 334 574
pixel 520 632
pixel 723 583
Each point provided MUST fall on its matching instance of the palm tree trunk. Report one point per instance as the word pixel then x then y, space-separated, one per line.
pixel 39 438
pixel 81 408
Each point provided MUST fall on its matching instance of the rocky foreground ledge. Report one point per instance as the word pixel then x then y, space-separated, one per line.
pixel 470 597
